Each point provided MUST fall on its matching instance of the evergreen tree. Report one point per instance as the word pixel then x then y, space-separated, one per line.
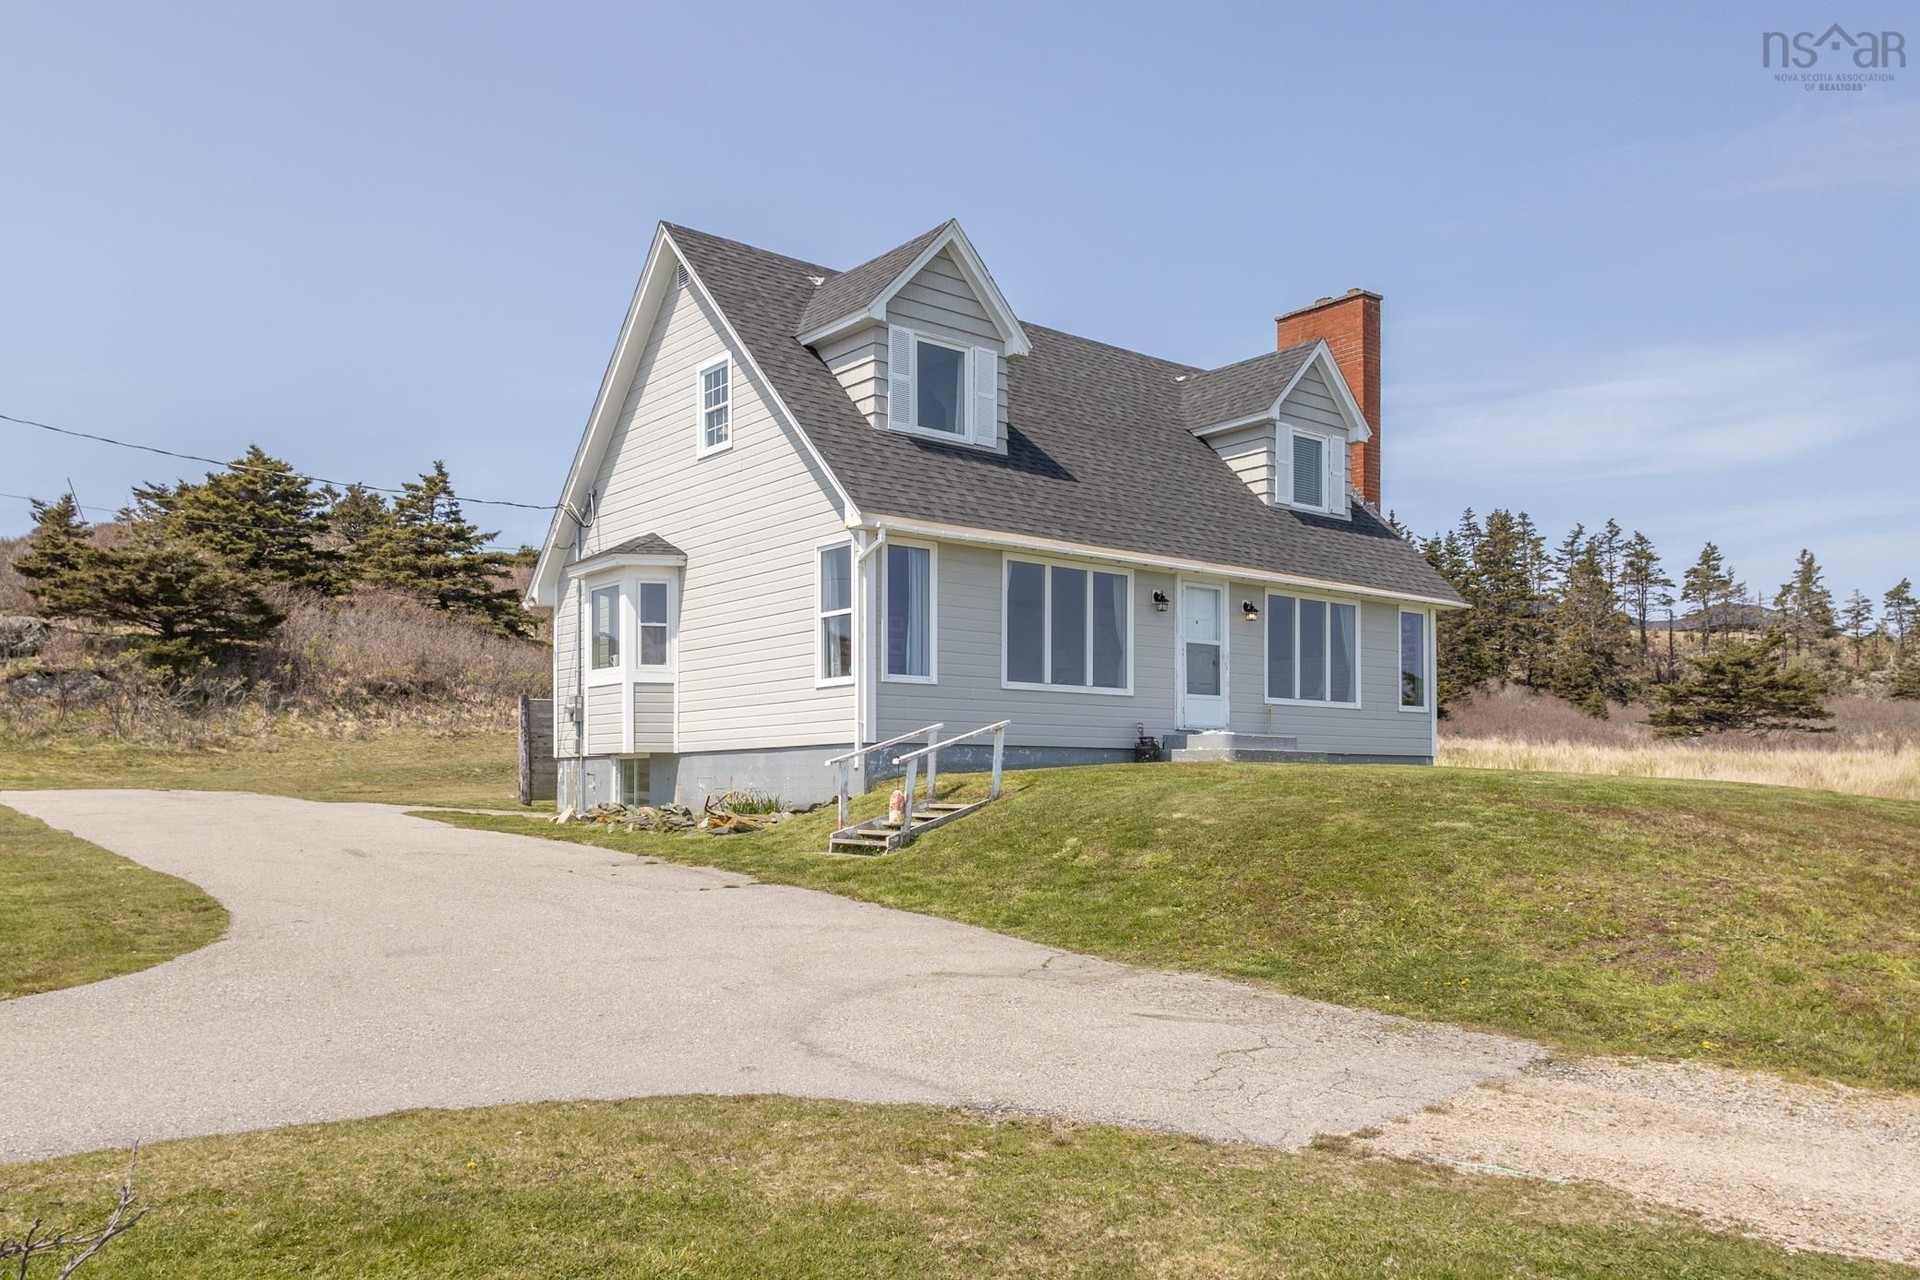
pixel 1461 664
pixel 1591 637
pixel 1506 613
pixel 1743 686
pixel 61 541
pixel 1641 581
pixel 1902 613
pixel 1711 588
pixel 259 515
pixel 1805 602
pixel 356 515
pixel 1611 545
pixel 1906 681
pixel 1570 550
pixel 428 548
pixel 185 606
pixel 1856 620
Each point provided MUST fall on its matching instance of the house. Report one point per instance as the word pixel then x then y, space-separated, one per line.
pixel 817 508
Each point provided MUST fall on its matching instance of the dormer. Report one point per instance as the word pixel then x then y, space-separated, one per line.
pixel 920 338
pixel 1285 422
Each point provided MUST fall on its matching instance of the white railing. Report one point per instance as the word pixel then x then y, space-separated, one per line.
pixel 932 753
pixel 842 765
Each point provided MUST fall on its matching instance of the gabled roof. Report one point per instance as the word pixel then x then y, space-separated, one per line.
pixel 1098 454
pixel 1249 390
pixel 855 290
pixel 650 545
pixel 844 300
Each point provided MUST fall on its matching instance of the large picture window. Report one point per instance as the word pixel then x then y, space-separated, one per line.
pixel 1413 661
pixel 909 612
pixel 1066 627
pixel 836 613
pixel 1313 649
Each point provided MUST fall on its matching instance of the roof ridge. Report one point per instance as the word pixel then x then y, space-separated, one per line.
pixel 1113 346
pixel 1264 355
pixel 812 267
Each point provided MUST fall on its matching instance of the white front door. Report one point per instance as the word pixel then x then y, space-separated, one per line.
pixel 1203 657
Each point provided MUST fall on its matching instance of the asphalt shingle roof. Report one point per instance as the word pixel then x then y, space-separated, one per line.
pixel 1099 450
pixel 853 290
pixel 1240 390
pixel 647 544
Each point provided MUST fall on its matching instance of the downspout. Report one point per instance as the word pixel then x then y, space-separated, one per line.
pixel 580 524
pixel 865 686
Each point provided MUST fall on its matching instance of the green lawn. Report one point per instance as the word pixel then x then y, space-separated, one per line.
pixel 1752 926
pixel 71 912
pixel 399 767
pixel 778 1187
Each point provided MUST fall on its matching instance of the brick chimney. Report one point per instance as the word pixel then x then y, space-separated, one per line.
pixel 1350 324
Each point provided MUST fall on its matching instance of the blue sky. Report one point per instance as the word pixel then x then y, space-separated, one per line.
pixel 1627 272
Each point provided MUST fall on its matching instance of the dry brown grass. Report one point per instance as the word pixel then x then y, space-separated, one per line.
pixel 1872 750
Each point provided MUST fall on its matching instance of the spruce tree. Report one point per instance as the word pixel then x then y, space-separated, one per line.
pixel 1856 620
pixel 429 549
pixel 1902 612
pixel 356 516
pixel 60 542
pixel 1906 681
pixel 1590 637
pixel 259 515
pixel 1461 664
pixel 1805 603
pixel 1742 686
pixel 1641 581
pixel 185 606
pixel 1711 588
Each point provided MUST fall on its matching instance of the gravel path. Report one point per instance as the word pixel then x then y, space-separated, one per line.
pixel 378 962
pixel 1806 1165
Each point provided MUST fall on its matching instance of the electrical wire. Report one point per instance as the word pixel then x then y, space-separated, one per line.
pixel 241 466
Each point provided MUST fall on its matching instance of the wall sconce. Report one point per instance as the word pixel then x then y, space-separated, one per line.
pixel 1160 602
pixel 1249 610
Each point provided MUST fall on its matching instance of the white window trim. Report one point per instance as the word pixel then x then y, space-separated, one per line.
pixel 630 670
pixel 820 615
pixel 1359 650
pixel 701 449
pixel 1427 660
pixel 599 676
pixel 1329 500
pixel 933 612
pixel 1046 629
pixel 911 426
pixel 660 672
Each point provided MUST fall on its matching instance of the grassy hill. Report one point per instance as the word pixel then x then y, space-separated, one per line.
pixel 1753 926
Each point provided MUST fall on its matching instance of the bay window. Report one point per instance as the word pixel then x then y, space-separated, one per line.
pixel 1066 627
pixel 1313 649
pixel 604 610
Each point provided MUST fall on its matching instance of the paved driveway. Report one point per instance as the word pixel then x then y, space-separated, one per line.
pixel 378 962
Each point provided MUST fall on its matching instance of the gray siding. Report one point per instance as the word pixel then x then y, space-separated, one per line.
pixel 1376 727
pixel 748 519
pixel 1249 451
pixel 653 717
pixel 968 663
pixel 1311 404
pixel 940 303
pixel 605 724
pixel 859 360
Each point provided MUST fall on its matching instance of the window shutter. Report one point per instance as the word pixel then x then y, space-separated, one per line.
pixel 899 377
pixel 1282 466
pixel 985 418
pixel 1336 475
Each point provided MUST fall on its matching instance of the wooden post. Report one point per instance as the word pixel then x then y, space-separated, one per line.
pixel 999 750
pixel 526 749
pixel 933 771
pixel 844 768
pixel 913 779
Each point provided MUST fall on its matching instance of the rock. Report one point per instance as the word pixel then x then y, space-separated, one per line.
pixel 21 637
pixel 79 686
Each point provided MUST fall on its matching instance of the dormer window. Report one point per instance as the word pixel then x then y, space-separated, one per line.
pixel 1309 471
pixel 942 389
pixel 939 378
